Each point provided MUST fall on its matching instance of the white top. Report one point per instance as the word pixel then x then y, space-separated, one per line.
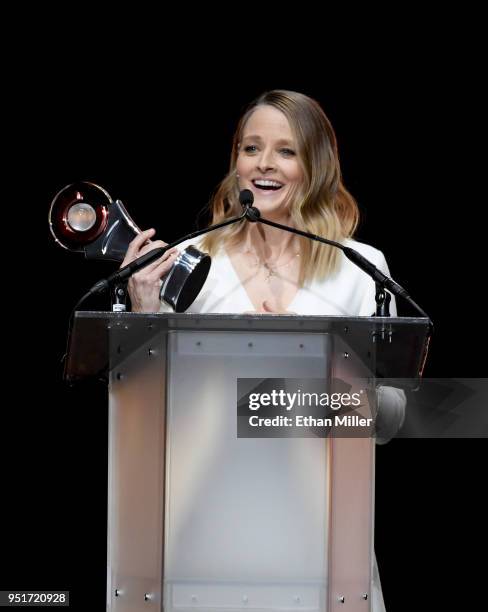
pixel 350 292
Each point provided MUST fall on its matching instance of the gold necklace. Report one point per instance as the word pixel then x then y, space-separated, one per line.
pixel 270 267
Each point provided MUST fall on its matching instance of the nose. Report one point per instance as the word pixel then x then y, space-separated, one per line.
pixel 265 161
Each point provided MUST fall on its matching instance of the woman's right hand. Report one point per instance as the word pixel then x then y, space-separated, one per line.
pixel 144 286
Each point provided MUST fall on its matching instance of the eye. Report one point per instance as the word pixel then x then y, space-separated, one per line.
pixel 250 148
pixel 287 152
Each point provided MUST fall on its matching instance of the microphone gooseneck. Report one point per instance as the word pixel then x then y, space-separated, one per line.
pixel 123 274
pixel 246 198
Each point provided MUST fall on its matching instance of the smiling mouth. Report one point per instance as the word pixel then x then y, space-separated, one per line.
pixel 266 185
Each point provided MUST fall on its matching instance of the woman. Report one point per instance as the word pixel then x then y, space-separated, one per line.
pixel 285 152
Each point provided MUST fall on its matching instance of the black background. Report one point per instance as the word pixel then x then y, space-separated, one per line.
pixel 155 131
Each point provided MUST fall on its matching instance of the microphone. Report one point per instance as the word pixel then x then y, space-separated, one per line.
pixel 246 199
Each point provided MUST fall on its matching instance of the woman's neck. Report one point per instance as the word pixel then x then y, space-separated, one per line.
pixel 270 243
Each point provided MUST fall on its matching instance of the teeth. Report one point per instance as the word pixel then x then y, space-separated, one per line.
pixel 264 183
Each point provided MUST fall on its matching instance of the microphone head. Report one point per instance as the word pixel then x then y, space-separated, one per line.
pixel 246 197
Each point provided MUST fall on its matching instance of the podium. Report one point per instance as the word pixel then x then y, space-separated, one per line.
pixel 200 519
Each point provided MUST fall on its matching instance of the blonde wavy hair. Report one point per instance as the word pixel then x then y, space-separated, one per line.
pixel 322 205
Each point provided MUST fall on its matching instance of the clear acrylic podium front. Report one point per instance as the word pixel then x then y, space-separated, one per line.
pixel 199 519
